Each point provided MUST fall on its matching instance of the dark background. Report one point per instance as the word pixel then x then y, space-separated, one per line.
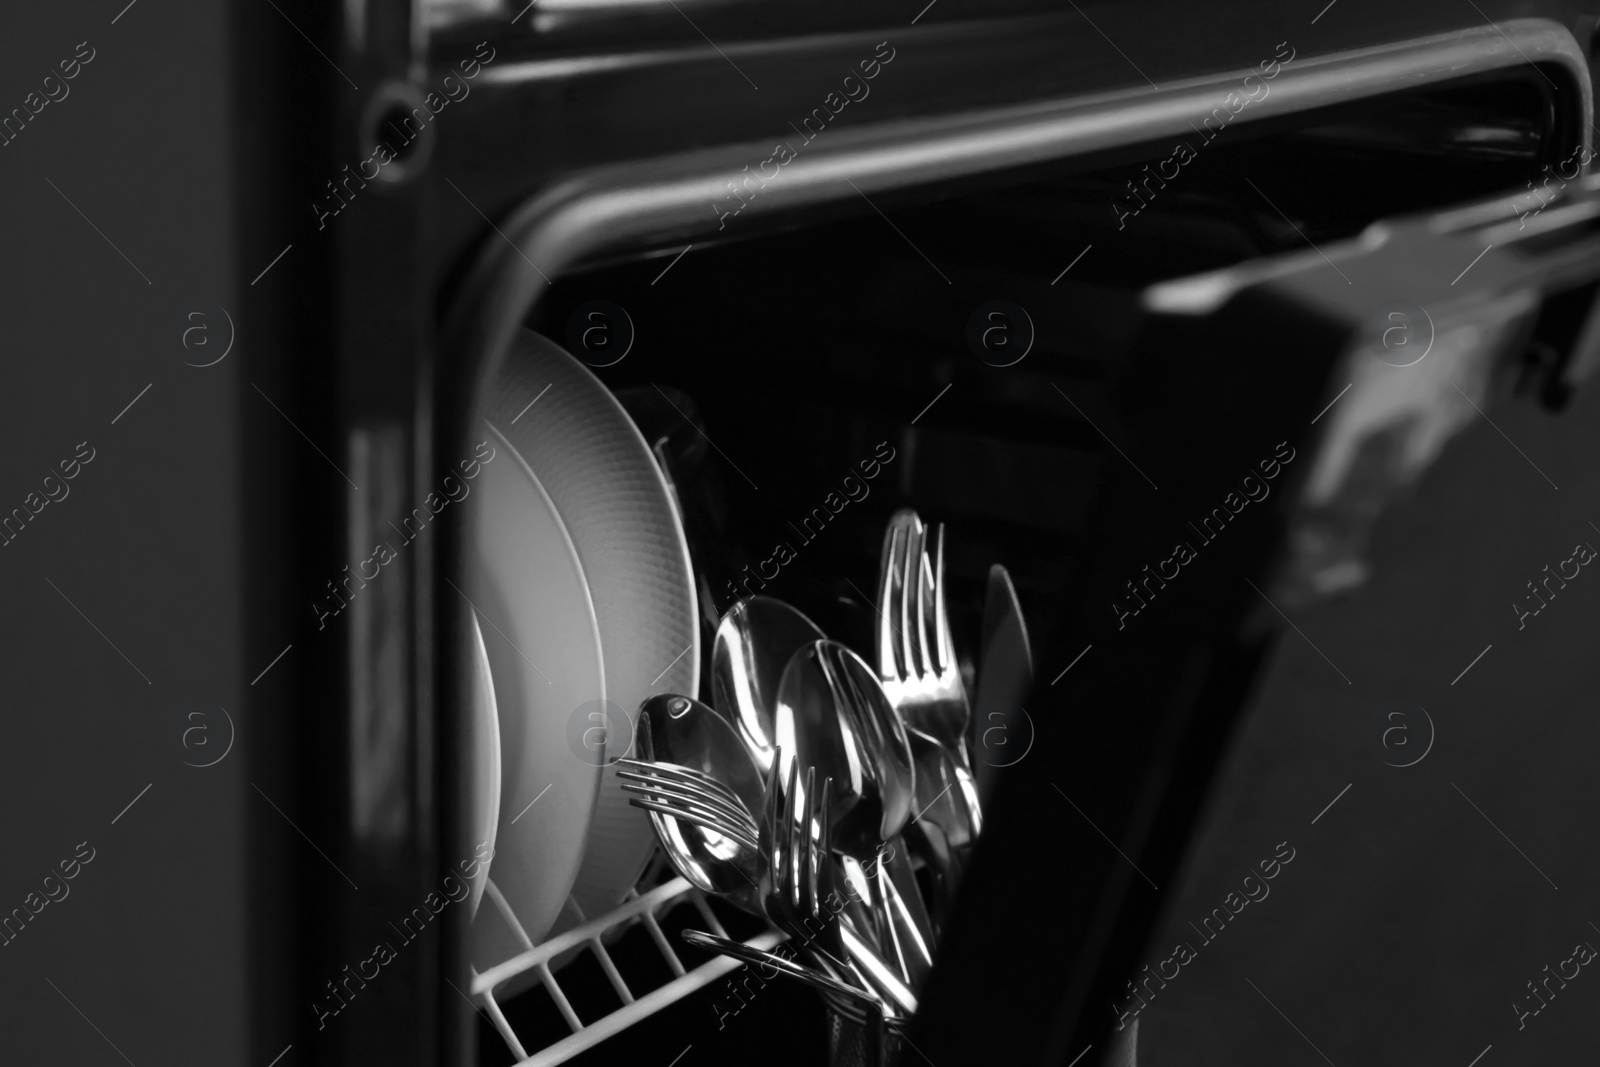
pixel 150 942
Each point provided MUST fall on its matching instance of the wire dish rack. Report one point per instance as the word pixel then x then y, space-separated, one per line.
pixel 637 1003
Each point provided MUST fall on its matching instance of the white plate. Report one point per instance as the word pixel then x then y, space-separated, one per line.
pixel 543 647
pixel 611 496
pixel 483 747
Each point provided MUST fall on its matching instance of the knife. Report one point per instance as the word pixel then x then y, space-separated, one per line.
pixel 1005 678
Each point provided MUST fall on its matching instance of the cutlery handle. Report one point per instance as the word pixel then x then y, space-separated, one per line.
pixel 929 843
pixel 906 917
pixel 762 958
pixel 878 972
pixel 859 1044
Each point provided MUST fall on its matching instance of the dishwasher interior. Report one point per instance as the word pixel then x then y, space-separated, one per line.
pixel 770 368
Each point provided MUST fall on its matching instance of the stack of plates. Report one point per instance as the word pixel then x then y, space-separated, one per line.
pixel 580 577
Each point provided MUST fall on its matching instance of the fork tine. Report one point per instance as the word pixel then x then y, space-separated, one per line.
pixel 786 834
pixel 702 784
pixel 824 849
pixel 924 602
pixel 909 550
pixel 737 817
pixel 806 887
pixel 887 567
pixel 674 776
pixel 825 820
pixel 941 621
pixel 903 655
pixel 666 775
pixel 769 814
pixel 694 790
pixel 680 773
pixel 714 825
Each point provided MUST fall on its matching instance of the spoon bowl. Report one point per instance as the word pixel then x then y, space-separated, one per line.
pixel 754 643
pixel 832 714
pixel 680 730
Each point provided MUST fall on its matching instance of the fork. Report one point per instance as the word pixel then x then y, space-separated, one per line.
pixel 652 770
pixel 689 796
pixel 801 874
pixel 856 998
pixel 920 675
pixel 916 658
pixel 686 780
pixel 791 884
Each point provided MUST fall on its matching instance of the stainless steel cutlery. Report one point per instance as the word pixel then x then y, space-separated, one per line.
pixel 783 965
pixel 1005 677
pixel 818 786
pixel 754 643
pixel 916 658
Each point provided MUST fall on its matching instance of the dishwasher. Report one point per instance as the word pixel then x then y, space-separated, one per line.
pixel 635 319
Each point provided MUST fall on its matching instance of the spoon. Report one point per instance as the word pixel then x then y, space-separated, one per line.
pixel 832 714
pixel 753 645
pixel 945 791
pixel 681 730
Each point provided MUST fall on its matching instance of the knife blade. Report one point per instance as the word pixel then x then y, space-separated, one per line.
pixel 1005 678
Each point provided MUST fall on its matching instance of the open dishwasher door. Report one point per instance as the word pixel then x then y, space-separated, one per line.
pixel 1309 391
